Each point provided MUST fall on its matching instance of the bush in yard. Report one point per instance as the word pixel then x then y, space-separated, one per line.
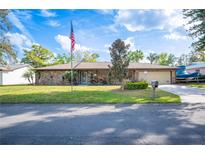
pixel 136 85
pixel 67 75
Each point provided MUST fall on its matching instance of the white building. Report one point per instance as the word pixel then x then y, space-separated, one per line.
pixel 13 74
pixel 197 66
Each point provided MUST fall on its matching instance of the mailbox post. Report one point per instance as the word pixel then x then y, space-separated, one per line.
pixel 154 84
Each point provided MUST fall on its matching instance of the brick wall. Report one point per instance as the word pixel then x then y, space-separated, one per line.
pixel 50 78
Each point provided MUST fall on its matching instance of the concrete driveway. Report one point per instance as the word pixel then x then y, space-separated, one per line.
pixel 102 124
pixel 187 94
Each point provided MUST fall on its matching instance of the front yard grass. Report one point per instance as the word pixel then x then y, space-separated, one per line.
pixel 197 85
pixel 81 94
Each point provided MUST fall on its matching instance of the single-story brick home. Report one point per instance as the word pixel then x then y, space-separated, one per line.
pixel 89 72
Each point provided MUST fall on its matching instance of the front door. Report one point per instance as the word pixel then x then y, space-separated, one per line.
pixel 85 77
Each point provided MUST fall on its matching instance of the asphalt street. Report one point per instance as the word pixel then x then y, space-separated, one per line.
pixel 102 124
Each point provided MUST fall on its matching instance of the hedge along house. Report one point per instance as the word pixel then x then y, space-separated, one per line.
pixel 88 73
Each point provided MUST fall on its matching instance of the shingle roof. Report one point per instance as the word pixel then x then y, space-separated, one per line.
pixel 12 67
pixel 105 65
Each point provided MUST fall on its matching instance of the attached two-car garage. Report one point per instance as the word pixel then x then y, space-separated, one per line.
pixel 164 77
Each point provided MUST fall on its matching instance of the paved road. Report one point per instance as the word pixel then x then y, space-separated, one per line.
pixel 187 94
pixel 103 124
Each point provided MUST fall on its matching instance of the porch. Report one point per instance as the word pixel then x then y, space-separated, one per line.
pixel 90 77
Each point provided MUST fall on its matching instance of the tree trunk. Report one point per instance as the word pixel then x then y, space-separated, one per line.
pixel 29 80
pixel 123 84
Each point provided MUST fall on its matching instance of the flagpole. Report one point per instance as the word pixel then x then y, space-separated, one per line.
pixel 72 48
pixel 71 62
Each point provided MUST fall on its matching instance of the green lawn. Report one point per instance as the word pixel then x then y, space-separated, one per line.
pixel 197 85
pixel 81 94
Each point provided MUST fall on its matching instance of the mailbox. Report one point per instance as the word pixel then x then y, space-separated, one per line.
pixel 154 83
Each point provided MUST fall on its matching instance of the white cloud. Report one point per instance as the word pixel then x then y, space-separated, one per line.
pixel 23 14
pixel 113 28
pixel 133 28
pixel 126 18
pixel 19 40
pixel 65 42
pixel 106 46
pixel 142 20
pixel 47 13
pixel 81 48
pixel 53 23
pixel 131 42
pixel 105 11
pixel 174 19
pixel 175 36
pixel 15 21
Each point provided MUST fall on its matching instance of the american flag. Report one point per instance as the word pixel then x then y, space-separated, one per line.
pixel 72 37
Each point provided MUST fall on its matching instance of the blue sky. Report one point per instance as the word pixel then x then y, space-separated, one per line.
pixel 149 30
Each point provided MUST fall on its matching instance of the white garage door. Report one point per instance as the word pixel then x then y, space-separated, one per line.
pixel 162 77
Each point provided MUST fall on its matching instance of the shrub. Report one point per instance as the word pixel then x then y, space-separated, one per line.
pixel 136 85
pixel 67 76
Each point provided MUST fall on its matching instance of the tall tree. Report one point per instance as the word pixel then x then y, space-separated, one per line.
pixel 135 56
pixel 153 58
pixel 38 56
pixel 85 56
pixel 163 58
pixel 171 60
pixel 6 49
pixel 166 59
pixel 90 57
pixel 119 59
pixel 62 59
pixel 187 59
pixel 196 56
pixel 184 59
pixel 196 23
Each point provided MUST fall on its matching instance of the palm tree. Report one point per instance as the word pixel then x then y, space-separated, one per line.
pixel 135 56
pixel 166 59
pixel 153 58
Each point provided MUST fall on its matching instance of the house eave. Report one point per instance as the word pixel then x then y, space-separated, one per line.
pixel 167 69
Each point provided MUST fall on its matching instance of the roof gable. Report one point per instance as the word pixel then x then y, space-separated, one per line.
pixel 13 67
